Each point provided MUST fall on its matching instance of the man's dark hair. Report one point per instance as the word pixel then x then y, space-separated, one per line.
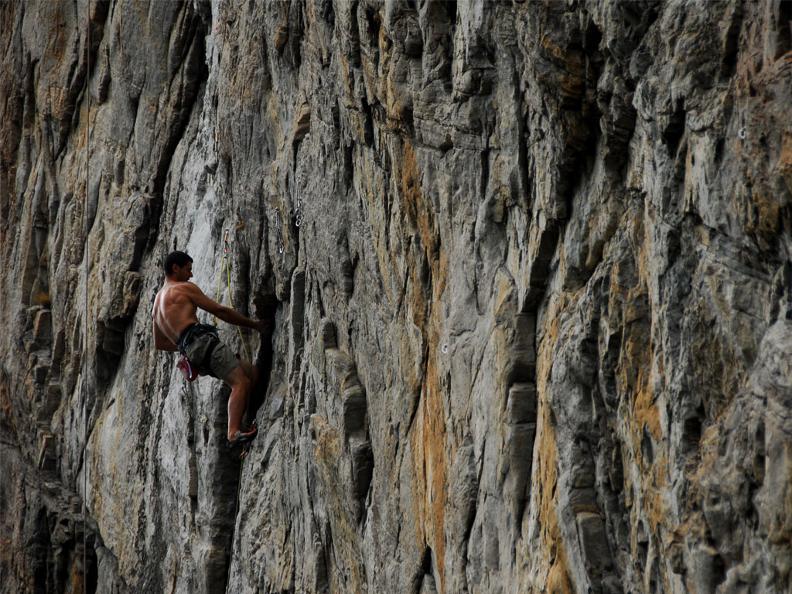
pixel 177 258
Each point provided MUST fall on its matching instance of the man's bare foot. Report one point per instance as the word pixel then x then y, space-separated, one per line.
pixel 240 437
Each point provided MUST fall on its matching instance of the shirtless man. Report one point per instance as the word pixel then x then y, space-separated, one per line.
pixel 176 328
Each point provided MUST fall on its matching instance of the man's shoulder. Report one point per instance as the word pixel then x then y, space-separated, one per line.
pixel 175 290
pixel 187 289
pixel 189 286
pixel 181 286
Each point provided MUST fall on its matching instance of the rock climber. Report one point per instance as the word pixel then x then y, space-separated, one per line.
pixel 176 328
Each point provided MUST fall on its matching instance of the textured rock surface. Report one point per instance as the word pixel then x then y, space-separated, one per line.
pixel 533 267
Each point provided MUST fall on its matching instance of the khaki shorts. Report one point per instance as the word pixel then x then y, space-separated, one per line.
pixel 220 362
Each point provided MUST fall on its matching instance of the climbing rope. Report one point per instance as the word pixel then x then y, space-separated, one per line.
pixel 85 287
pixel 276 218
pixel 226 272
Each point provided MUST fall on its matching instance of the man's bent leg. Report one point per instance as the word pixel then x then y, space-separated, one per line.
pixel 250 371
pixel 224 364
pixel 237 402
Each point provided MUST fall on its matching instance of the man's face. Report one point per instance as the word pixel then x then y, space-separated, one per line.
pixel 182 273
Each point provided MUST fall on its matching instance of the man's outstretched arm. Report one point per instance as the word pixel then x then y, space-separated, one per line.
pixel 221 311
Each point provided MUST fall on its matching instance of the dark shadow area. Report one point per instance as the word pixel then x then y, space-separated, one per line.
pixel 266 306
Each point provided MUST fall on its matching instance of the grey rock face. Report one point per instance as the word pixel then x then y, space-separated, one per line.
pixel 531 266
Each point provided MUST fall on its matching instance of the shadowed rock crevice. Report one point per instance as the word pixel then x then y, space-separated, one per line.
pixel 519 416
pixel 354 418
pixel 191 79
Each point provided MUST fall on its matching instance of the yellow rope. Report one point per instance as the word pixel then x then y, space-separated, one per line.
pixel 231 301
pixel 227 266
pixel 218 294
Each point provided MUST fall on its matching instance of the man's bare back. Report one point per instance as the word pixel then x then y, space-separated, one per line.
pixel 174 311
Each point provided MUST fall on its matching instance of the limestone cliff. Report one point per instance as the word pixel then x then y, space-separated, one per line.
pixel 532 267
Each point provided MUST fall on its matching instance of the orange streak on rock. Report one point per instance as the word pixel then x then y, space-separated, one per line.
pixel 429 438
pixel 552 544
pixel 557 580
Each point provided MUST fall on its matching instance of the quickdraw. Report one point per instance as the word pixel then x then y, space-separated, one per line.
pixel 276 218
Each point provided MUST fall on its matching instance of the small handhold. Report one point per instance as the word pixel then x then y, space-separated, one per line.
pixel 444 348
pixel 328 334
pixel 280 248
pixel 741 133
pixel 281 36
pixel 355 408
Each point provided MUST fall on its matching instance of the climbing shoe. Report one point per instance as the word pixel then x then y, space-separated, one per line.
pixel 242 440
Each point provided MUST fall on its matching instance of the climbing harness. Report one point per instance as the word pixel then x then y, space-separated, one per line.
pixel 189 370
